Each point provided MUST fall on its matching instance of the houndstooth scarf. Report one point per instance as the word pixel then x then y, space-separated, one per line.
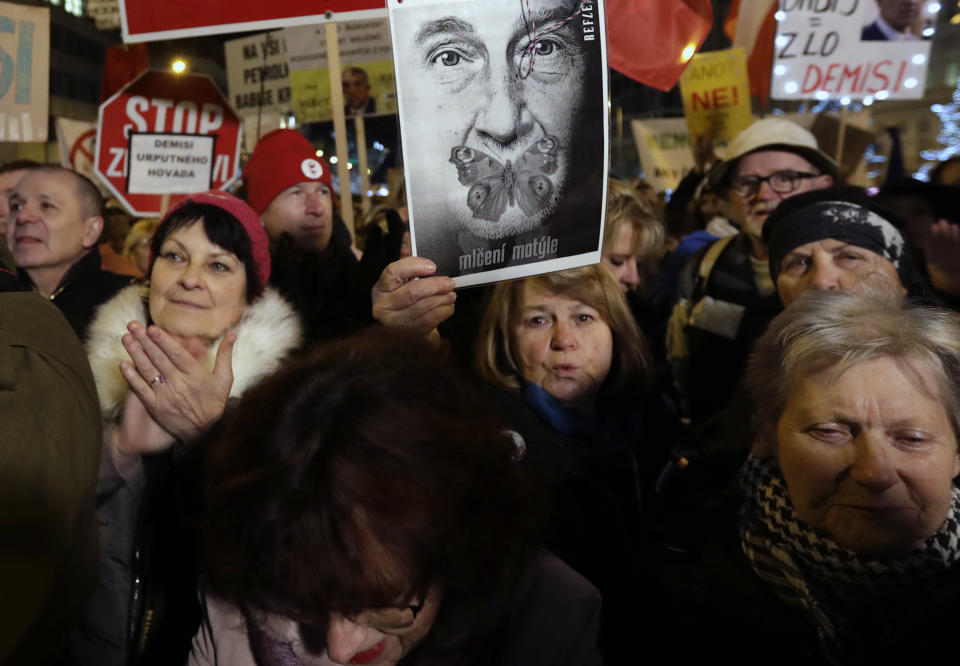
pixel 809 570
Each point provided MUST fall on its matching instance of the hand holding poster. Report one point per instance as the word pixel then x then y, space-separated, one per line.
pixel 716 95
pixel 851 48
pixel 503 114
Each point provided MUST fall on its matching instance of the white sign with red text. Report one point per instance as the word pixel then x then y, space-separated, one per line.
pixel 836 49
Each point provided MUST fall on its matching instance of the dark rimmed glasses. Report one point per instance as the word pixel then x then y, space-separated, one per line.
pixel 781 182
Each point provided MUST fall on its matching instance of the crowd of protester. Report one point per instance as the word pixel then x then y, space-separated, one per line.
pixel 236 435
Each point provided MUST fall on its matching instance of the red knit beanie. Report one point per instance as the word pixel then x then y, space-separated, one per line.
pixel 282 158
pixel 249 220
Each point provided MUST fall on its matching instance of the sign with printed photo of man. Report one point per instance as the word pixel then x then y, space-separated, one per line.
pixel 367 73
pixel 503 116
pixel 853 49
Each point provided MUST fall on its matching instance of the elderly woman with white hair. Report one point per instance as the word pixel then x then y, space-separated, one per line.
pixel 849 528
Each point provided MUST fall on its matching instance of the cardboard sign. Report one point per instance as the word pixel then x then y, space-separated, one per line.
pixel 105 13
pixel 716 94
pixel 367 74
pixel 77 140
pixel 257 74
pixel 505 133
pixel 149 20
pixel 165 103
pixel 170 163
pixel 256 126
pixel 665 148
pixel 844 49
pixel 24 72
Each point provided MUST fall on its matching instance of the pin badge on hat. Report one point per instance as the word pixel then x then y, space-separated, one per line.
pixel 311 169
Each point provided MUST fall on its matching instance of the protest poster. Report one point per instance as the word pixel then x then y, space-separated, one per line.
pixel 853 49
pixel 503 116
pixel 164 122
pixel 24 72
pixel 716 94
pixel 77 141
pixel 105 13
pixel 257 75
pixel 665 149
pixel 366 62
pixel 170 163
pixel 146 21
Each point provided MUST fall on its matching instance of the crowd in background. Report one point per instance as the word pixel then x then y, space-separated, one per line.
pixel 238 435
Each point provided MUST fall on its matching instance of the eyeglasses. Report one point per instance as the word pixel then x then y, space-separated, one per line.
pixel 781 182
pixel 391 619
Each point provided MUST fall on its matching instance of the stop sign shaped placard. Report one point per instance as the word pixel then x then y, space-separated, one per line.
pixel 189 106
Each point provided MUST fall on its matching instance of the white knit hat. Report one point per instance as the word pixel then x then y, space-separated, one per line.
pixel 772 134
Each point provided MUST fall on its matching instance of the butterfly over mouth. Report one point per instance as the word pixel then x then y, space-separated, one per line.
pixel 494 186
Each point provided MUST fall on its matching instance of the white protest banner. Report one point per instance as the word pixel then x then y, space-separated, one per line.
pixel 503 116
pixel 836 49
pixel 170 163
pixel 257 80
pixel 77 140
pixel 665 149
pixel 105 13
pixel 366 65
pixel 24 72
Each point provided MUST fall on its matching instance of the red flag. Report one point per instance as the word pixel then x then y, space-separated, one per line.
pixel 652 41
pixel 121 65
pixel 753 27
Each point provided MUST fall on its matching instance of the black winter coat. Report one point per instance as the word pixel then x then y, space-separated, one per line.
pixel 598 494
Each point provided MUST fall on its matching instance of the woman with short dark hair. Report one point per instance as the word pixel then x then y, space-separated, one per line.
pixel 364 507
pixel 167 356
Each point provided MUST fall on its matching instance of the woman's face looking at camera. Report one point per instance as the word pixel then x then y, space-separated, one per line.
pixel 869 456
pixel 197 288
pixel 830 264
pixel 562 345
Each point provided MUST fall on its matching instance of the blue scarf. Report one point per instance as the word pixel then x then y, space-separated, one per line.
pixel 563 420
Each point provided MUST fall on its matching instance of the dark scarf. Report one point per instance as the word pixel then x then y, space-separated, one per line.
pixel 833 584
pixel 558 417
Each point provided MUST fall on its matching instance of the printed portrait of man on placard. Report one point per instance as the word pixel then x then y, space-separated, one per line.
pixel 896 21
pixel 503 120
pixel 356 92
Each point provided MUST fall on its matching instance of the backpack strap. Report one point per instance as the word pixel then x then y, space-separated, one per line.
pixel 680 317
pixel 710 257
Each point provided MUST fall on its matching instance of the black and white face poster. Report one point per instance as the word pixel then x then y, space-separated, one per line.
pixel 503 116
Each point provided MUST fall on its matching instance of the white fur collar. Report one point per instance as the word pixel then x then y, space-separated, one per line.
pixel 268 331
